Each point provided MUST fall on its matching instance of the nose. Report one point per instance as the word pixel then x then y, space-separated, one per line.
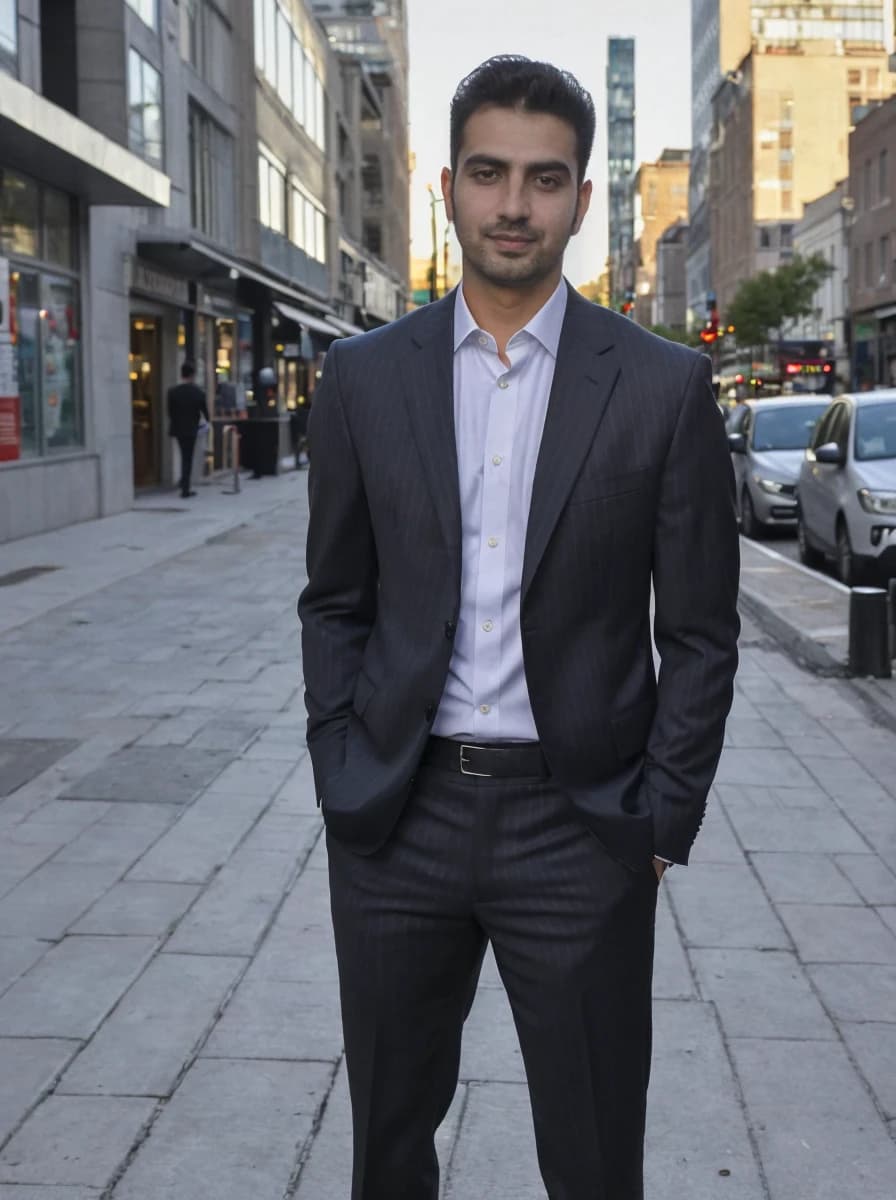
pixel 514 201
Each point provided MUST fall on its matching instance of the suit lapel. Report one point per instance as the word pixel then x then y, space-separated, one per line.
pixel 428 379
pixel 584 378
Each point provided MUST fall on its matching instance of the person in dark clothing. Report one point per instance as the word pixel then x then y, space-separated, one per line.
pixel 186 406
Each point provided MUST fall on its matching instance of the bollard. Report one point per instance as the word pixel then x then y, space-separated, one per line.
pixel 869 649
pixel 891 587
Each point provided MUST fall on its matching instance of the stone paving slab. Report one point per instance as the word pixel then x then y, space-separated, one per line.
pixel 873 1045
pixel 762 994
pixel 273 1019
pixel 740 914
pixel 26 1192
pixel 818 1133
pixel 691 1142
pixel 46 903
pixel 198 844
pixel 21 759
pixel 71 989
pixel 794 878
pixel 132 907
pixel 74 1140
pixel 233 1129
pixel 839 934
pixel 856 992
pixel 142 1046
pixel 149 774
pixel 28 1067
pixel 17 955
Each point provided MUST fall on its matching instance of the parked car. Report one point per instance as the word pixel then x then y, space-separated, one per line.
pixel 847 488
pixel 767 448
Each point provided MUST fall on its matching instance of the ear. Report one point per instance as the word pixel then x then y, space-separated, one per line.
pixel 447 194
pixel 582 205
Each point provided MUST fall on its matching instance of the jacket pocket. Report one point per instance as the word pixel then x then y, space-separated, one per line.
pixel 602 487
pixel 631 728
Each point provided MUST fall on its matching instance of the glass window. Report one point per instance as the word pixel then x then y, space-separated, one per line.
pixel 277 185
pixel 60 388
pixel 320 229
pixel 8 34
pixel 145 10
pixel 18 215
pixel 298 80
pixel 787 428
pixel 58 241
pixel 271 191
pixel 883 260
pixel 144 109
pixel 24 288
pixel 264 204
pixel 259 34
pixel 284 59
pixel 876 432
pixel 320 115
pixel 308 120
pixel 882 174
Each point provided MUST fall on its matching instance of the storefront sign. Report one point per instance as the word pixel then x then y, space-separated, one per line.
pixel 10 428
pixel 151 282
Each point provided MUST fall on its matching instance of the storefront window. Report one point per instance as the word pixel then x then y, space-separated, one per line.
pixel 19 220
pixel 24 294
pixel 60 336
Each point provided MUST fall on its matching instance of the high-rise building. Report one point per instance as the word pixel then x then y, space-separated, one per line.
pixel 720 37
pixel 621 164
pixel 661 199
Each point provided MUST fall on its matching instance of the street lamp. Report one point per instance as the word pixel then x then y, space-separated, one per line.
pixel 434 261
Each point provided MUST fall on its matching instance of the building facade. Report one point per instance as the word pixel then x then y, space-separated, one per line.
pixel 781 127
pixel 661 199
pixel 169 191
pixel 670 308
pixel 872 235
pixel 621 165
pixel 824 230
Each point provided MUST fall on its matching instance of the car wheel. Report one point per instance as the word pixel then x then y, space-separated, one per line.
pixel 848 567
pixel 809 556
pixel 750 525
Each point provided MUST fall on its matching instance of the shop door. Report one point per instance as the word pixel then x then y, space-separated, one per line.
pixel 146 400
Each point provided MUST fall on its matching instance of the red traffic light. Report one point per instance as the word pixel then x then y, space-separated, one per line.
pixel 708 336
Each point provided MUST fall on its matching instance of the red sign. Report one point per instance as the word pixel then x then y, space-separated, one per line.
pixel 10 428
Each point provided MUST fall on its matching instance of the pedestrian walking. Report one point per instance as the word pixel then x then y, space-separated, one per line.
pixel 186 410
pixel 497 478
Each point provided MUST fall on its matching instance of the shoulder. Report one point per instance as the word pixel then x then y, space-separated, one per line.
pixel 393 339
pixel 637 344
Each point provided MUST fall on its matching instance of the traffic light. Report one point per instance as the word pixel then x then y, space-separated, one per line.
pixel 628 303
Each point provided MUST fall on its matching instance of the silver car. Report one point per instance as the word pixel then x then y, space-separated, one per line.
pixel 847 488
pixel 767 449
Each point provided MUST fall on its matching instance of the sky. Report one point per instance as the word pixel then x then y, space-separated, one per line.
pixel 447 38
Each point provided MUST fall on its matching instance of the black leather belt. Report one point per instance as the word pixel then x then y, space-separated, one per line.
pixel 488 760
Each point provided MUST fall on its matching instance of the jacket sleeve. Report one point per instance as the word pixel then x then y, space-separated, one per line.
pixel 696 566
pixel 338 605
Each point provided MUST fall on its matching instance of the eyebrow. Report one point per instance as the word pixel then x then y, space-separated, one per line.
pixel 536 168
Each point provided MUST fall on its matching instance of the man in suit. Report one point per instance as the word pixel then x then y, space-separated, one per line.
pixel 497 480
pixel 186 406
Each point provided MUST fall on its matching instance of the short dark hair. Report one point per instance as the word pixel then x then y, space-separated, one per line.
pixel 511 81
pixel 187 370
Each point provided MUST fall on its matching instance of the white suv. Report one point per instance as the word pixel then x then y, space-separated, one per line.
pixel 846 489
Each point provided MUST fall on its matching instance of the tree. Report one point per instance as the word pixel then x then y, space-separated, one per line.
pixel 764 304
pixel 676 335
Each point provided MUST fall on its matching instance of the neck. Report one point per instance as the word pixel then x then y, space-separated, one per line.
pixel 503 311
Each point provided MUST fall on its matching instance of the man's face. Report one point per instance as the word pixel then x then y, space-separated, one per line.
pixel 515 199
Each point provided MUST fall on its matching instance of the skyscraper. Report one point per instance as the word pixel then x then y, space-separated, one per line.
pixel 621 164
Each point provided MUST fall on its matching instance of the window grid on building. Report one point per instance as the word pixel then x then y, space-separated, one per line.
pixel 271 190
pixel 289 68
pixel 145 10
pixel 144 109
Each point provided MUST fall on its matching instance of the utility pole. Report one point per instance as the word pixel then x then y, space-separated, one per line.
pixel 434 264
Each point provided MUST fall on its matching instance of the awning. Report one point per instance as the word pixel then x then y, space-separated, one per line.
pixel 317 324
pixel 191 259
pixel 47 142
pixel 346 326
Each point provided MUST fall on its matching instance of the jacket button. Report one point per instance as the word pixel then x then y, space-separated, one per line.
pixel 429 712
pixel 450 630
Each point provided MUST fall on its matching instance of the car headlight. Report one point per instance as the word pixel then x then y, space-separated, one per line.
pixel 877 502
pixel 772 486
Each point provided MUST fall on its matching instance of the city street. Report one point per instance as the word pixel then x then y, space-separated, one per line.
pixel 169 1021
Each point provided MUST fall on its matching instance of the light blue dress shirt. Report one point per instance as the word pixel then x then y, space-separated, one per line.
pixel 499 415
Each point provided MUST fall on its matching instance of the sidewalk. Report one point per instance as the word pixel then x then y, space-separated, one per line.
pixel 169 1022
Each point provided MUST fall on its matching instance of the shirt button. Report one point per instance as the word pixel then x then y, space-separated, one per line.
pixel 488 626
pixel 483 341
pixel 503 384
pixel 493 542
pixel 485 708
pixel 497 460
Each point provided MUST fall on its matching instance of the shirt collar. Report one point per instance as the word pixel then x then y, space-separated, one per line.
pixel 545 326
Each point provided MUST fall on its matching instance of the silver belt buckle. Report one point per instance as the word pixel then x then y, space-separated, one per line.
pixel 463 765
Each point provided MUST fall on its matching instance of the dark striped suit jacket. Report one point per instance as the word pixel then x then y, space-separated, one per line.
pixel 633 485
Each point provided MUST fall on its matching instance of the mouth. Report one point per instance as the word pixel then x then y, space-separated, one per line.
pixel 510 241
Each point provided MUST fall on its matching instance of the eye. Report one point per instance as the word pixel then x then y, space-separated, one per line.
pixel 485 174
pixel 548 181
